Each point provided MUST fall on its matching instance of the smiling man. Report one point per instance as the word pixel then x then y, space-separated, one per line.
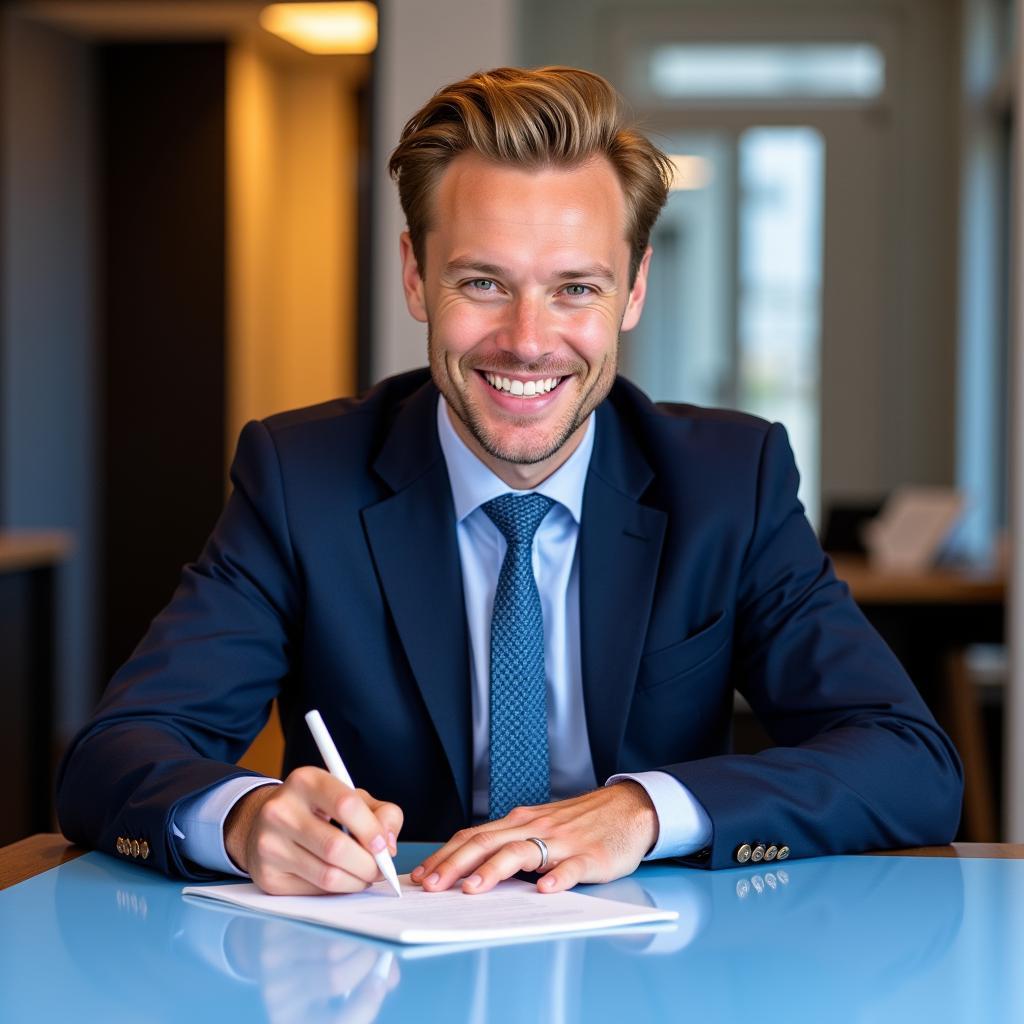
pixel 521 594
pixel 525 309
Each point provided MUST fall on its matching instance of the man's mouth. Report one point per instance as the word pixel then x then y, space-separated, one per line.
pixel 522 388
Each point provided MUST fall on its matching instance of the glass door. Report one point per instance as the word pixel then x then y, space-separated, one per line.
pixel 733 313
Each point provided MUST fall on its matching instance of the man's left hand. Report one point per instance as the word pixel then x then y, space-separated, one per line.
pixel 596 837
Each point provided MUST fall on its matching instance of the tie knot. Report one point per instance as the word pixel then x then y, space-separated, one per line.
pixel 518 515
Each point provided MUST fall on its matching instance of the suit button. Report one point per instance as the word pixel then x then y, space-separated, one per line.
pixel 144 849
pixel 135 847
pixel 743 853
pixel 757 854
pixel 783 853
pixel 771 853
pixel 120 844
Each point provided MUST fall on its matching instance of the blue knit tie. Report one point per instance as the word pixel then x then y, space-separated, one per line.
pixel 519 707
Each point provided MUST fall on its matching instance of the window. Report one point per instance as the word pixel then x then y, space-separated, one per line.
pixel 767 71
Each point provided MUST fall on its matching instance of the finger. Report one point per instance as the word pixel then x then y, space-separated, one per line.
pixel 289 820
pixel 391 818
pixel 566 874
pixel 460 839
pixel 279 855
pixel 328 877
pixel 281 883
pixel 520 855
pixel 346 806
pixel 464 860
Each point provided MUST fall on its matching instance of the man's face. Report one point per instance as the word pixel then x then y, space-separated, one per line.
pixel 525 292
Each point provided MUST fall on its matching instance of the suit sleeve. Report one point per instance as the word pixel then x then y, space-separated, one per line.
pixel 860 762
pixel 200 685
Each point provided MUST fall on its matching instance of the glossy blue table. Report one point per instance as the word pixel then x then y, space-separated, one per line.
pixel 866 939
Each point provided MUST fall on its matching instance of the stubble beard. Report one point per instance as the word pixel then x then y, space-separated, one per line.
pixel 463 407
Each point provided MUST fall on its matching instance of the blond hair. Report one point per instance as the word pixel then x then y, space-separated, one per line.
pixel 554 116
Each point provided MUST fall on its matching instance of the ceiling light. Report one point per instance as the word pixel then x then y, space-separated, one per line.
pixel 324 27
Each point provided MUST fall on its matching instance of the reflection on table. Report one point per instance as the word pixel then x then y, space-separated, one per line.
pixel 842 938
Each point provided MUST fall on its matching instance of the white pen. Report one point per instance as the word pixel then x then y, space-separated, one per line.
pixel 335 765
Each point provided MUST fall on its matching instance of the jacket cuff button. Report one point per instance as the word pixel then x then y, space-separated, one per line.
pixel 743 853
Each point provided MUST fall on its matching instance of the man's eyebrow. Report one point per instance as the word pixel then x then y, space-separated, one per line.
pixel 462 264
pixel 594 270
pixel 465 264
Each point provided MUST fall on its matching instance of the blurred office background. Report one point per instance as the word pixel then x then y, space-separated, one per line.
pixel 198 229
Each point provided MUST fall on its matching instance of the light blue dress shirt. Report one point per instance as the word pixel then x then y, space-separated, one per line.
pixel 684 826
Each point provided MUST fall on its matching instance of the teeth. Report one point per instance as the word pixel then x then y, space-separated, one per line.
pixel 522 388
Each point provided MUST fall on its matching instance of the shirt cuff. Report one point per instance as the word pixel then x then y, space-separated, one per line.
pixel 198 824
pixel 683 825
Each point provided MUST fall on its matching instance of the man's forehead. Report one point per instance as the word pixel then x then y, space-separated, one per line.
pixel 588 186
pixel 477 200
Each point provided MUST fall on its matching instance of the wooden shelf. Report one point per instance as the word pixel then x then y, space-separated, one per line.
pixel 929 586
pixel 33 549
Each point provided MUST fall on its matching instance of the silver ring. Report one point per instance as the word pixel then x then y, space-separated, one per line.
pixel 543 847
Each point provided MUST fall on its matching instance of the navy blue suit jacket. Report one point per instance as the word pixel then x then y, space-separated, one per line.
pixel 332 580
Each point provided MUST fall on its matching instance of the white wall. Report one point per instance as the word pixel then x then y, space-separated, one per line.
pixel 48 378
pixel 423 46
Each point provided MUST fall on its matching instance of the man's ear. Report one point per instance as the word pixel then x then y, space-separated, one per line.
pixel 412 282
pixel 637 294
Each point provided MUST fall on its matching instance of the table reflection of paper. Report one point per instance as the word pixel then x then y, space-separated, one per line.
pixel 513 909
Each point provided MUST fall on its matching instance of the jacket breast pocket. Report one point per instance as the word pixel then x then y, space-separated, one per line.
pixel 678 660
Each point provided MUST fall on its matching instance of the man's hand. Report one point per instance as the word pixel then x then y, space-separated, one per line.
pixel 596 837
pixel 283 837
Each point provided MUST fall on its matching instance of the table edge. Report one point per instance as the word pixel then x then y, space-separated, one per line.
pixel 32 856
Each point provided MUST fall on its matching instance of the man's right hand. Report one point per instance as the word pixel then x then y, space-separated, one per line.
pixel 283 837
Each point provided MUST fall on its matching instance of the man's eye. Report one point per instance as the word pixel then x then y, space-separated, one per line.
pixel 577 290
pixel 482 284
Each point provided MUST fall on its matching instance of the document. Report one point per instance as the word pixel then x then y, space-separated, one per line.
pixel 512 910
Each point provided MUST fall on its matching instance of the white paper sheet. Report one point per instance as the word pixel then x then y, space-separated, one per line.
pixel 513 909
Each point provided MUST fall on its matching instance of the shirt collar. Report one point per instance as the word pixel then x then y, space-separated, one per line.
pixel 473 483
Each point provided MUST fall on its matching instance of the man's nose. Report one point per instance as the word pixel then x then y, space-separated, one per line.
pixel 524 333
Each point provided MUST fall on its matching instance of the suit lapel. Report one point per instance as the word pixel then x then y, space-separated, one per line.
pixel 413 540
pixel 620 549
